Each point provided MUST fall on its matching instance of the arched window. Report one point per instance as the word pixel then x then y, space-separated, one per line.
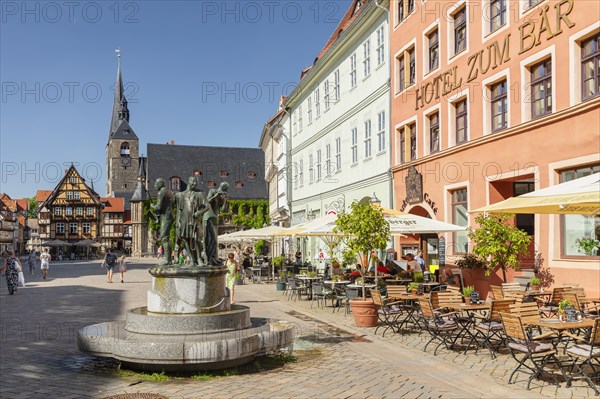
pixel 238 184
pixel 175 183
pixel 125 150
pixel 251 174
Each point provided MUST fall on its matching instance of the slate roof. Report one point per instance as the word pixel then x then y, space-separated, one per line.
pixel 169 160
pixel 124 132
pixel 140 192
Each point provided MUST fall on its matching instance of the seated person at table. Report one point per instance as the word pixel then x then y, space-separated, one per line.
pixel 355 274
pixel 381 269
pixel 336 270
pixel 413 265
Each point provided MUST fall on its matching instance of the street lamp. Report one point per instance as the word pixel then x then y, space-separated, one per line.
pixel 374 200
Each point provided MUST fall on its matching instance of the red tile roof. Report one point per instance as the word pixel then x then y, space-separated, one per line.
pixel 113 204
pixel 42 195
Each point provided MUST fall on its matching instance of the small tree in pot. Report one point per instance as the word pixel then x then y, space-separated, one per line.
pixel 498 243
pixel 366 230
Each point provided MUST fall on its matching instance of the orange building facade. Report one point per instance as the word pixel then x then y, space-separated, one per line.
pixel 493 99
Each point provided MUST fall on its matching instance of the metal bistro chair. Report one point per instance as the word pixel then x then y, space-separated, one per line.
pixel 296 289
pixel 388 312
pixel 535 354
pixel 490 329
pixel 441 328
pixel 586 359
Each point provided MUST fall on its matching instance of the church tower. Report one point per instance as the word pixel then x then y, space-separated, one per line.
pixel 122 149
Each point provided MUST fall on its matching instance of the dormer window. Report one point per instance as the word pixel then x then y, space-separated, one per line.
pixel 224 173
pixel 175 183
pixel 125 150
pixel 211 184
pixel 251 174
pixel 238 184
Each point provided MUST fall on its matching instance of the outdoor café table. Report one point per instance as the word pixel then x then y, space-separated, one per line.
pixel 469 321
pixel 410 307
pixel 308 281
pixel 561 327
pixel 398 281
pixel 333 284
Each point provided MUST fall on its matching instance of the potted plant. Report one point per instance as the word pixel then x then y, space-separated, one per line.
pixel 466 292
pixel 365 229
pixel 498 242
pixel 587 245
pixel 562 307
pixel 413 288
pixel 535 283
pixel 239 280
pixel 282 281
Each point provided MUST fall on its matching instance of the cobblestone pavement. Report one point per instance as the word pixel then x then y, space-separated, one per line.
pixel 39 355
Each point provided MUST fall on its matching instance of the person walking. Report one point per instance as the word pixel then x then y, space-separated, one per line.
pixel 109 262
pixel 45 263
pixel 122 267
pixel 232 267
pixel 10 269
pixel 31 261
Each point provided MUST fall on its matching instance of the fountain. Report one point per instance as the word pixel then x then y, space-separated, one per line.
pixel 189 323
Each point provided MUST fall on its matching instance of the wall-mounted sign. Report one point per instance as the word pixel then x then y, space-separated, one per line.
pixel 426 199
pixel 414 186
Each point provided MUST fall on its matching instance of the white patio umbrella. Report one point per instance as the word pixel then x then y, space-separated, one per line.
pixel 580 196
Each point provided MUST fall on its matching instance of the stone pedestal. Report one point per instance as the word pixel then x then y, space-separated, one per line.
pixel 188 290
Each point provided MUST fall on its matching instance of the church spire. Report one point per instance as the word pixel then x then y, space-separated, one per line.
pixel 140 193
pixel 120 110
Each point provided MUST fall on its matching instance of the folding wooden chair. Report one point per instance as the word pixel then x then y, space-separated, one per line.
pixel 441 328
pixel 586 359
pixel 490 329
pixel 497 291
pixel 388 311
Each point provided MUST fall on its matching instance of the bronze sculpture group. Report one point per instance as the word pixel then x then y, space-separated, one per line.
pixel 196 221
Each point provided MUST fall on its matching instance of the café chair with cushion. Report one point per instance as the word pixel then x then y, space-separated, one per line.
pixel 535 355
pixel 550 308
pixel 388 312
pixel 442 328
pixel 296 289
pixel 586 359
pixel 490 329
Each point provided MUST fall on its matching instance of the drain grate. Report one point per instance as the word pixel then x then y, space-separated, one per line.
pixel 137 396
pixel 335 335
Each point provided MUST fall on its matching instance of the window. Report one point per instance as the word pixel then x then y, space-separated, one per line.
pixel 69 195
pixel 353 70
pixel 367 58
pixel 311 169
pixel 525 222
pixel 73 180
pixel 541 89
pixel 76 195
pixel 79 211
pixel 89 211
pixel 367 139
pixel 497 14
pixel 60 228
pixel 406 68
pixel 317 103
pixel 328 164
pixel 326 94
pixel 336 85
pixel 296 179
pixel 499 106
pixel 354 145
pixel 309 110
pixel 575 228
pixel 338 154
pixel 461 121
pixel 125 150
pixel 301 172
pixel 434 132
pixel 68 211
pixel 86 228
pixel 300 118
pixel 413 141
pixel 460 218
pixel 380 46
pixel 318 165
pixel 402 145
pixel 72 228
pixel 405 8
pixel 532 3
pixel 460 30
pixel 381 132
pixel 434 50
pixel 590 67
pixel 175 183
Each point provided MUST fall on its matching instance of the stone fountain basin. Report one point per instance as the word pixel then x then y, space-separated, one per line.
pixel 160 351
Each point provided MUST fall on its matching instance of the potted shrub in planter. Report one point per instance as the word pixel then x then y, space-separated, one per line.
pixel 534 283
pixel 365 229
pixel 562 308
pixel 413 288
pixel 239 279
pixel 279 262
pixel 467 291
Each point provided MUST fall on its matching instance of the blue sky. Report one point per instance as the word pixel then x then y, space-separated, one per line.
pixel 197 72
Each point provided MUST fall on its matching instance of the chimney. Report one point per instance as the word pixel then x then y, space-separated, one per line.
pixel 172 142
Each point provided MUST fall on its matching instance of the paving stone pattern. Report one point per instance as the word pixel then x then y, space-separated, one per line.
pixel 39 355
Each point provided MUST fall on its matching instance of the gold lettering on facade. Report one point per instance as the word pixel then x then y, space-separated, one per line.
pixel 560 15
pixel 529 36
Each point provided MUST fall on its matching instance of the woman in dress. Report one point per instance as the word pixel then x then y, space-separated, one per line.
pixel 230 277
pixel 45 263
pixel 122 267
pixel 9 267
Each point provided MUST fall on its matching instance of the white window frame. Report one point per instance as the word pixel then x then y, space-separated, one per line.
pixel 425 53
pixel 486 85
pixel 301 172
pixel 380 50
pixel 326 99
pixel 76 195
pixel 402 51
pixel 353 79
pixel 299 118
pixel 354 147
pixel 367 141
pixel 381 132
pixel 451 56
pixel 73 228
pixel 397 128
pixel 366 58
pixel 68 211
pixel 60 228
pixel 79 211
pixel 575 50
pixel 451 120
pixel 318 165
pixel 311 169
pixel 89 211
pixel 525 65
pixel 309 110
pixel 69 195
pixel 426 143
pixel 86 228
pixel 336 85
pixel 338 154
pixel 317 103
pixel 486 13
pixel 327 159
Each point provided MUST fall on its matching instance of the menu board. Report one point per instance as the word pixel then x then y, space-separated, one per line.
pixel 570 314
pixel 442 252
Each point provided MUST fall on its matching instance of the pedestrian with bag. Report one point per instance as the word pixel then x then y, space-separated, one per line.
pixel 11 271
pixel 45 263
pixel 122 267
pixel 109 262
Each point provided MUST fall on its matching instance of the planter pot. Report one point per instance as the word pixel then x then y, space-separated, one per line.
pixel 535 287
pixel 414 292
pixel 467 300
pixel 280 285
pixel 364 312
pixel 239 282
